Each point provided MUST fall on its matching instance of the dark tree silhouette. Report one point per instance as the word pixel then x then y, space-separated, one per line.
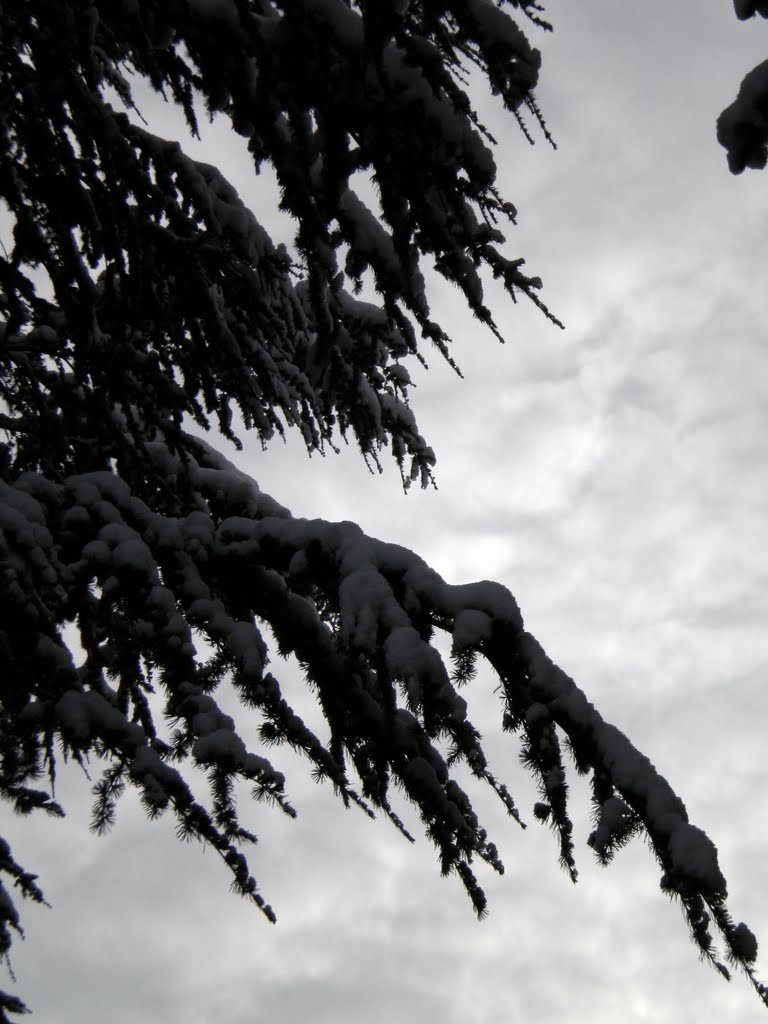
pixel 742 128
pixel 142 299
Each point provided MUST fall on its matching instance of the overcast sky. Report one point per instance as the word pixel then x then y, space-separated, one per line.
pixel 615 477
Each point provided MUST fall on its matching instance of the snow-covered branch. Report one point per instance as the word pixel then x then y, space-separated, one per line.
pixel 359 615
pixel 742 128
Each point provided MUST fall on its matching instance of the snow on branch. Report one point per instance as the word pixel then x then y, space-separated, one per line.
pixel 749 8
pixel 742 128
pixel 170 300
pixel 360 616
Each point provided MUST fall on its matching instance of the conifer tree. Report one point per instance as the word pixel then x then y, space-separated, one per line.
pixel 141 301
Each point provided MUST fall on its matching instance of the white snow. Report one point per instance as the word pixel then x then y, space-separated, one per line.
pixel 743 126
pixel 694 855
pixel 744 943
pixel 470 628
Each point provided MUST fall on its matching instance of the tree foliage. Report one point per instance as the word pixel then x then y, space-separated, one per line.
pixel 742 128
pixel 142 301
